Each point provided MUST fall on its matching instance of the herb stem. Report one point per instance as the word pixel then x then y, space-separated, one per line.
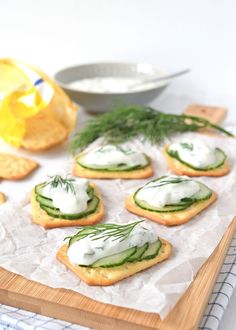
pixel 125 123
pixel 221 129
pixel 66 184
pixel 104 231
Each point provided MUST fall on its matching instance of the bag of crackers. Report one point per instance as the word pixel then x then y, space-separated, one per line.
pixel 35 113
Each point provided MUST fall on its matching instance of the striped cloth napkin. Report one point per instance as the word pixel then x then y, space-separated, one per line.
pixel 17 319
pixel 223 290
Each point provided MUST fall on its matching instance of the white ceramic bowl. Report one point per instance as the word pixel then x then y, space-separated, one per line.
pixel 105 101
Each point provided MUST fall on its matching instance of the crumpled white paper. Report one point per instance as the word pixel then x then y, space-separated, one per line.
pixel 29 250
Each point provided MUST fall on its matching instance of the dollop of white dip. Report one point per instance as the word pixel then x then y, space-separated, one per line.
pixel 158 194
pixel 195 152
pixel 68 201
pixel 113 84
pixel 110 155
pixel 86 251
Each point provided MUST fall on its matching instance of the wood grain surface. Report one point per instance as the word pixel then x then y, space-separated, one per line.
pixel 73 307
pixel 212 113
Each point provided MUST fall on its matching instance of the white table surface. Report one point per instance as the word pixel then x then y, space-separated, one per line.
pixel 199 34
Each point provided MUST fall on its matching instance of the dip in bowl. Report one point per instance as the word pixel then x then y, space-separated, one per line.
pixel 98 87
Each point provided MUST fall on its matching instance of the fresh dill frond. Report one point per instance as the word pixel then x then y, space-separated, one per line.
pixel 165 180
pixel 188 146
pixel 57 180
pixel 104 231
pixel 125 123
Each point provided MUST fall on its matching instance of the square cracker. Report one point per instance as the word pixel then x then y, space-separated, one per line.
pixel 40 217
pixel 83 172
pixel 107 276
pixel 2 198
pixel 181 169
pixel 43 132
pixel 14 167
pixel 170 218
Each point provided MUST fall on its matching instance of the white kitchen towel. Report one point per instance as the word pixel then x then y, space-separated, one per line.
pixel 17 319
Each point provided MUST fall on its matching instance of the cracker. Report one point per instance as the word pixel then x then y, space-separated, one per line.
pixel 171 218
pixel 40 217
pixel 14 167
pixel 108 276
pixel 2 198
pixel 212 113
pixel 82 172
pixel 181 169
pixel 43 132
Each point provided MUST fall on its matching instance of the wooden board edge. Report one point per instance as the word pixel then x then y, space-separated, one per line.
pixel 47 309
pixel 68 314
pixel 103 321
pixel 209 270
pixel 213 113
pixel 222 250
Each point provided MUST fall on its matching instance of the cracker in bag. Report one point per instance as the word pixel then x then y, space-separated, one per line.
pixel 34 112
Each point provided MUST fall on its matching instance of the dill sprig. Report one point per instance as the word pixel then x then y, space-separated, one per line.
pixel 125 123
pixel 188 146
pixel 165 180
pixel 66 183
pixel 104 231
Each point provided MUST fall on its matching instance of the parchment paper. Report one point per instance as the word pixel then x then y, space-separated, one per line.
pixel 29 250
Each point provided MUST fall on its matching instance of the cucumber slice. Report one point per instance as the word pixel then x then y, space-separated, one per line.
pixel 168 208
pixel 90 192
pixel 55 213
pixel 203 194
pixel 220 159
pixel 43 201
pixel 39 193
pixel 113 168
pixel 76 238
pixel 152 251
pixel 117 259
pixel 39 190
pixel 138 254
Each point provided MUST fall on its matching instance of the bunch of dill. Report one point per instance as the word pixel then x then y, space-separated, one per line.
pixel 125 123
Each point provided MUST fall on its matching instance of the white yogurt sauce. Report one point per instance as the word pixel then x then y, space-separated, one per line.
pixel 159 195
pixel 67 201
pixel 86 251
pixel 201 155
pixel 110 155
pixel 112 84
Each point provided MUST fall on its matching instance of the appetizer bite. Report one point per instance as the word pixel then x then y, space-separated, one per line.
pixel 171 200
pixel 107 253
pixel 111 162
pixel 61 202
pixel 194 157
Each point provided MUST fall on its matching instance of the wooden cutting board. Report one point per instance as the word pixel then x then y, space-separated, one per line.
pixel 73 307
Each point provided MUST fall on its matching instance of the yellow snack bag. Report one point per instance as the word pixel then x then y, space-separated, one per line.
pixel 24 93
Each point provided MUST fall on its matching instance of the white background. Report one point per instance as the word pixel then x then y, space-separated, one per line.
pixel 174 34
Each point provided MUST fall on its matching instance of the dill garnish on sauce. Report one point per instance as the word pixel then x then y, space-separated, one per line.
pixel 104 231
pixel 57 181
